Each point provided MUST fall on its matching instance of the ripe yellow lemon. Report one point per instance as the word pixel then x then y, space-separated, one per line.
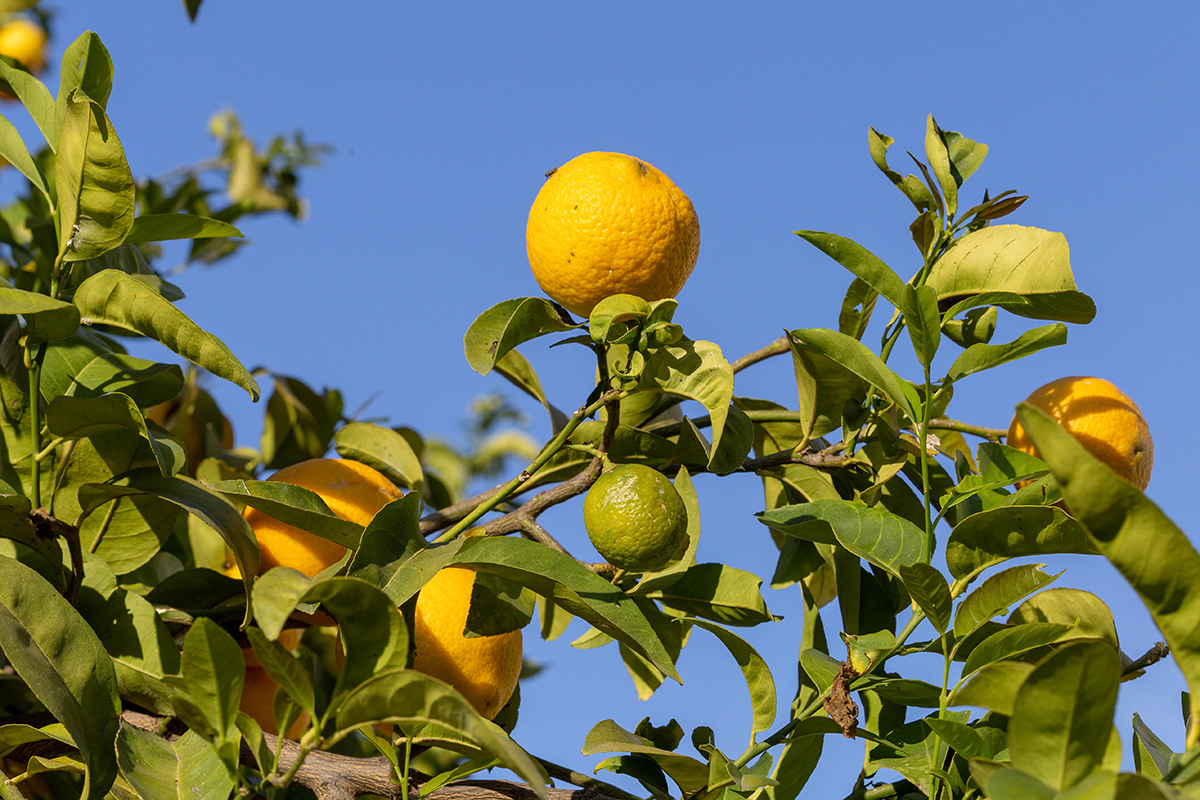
pixel 608 223
pixel 635 518
pixel 483 669
pixel 1102 418
pixel 258 700
pixel 352 490
pixel 25 42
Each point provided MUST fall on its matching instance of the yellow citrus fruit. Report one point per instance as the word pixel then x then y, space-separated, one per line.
pixel 608 223
pixel 1102 418
pixel 635 518
pixel 483 669
pixel 352 490
pixel 25 42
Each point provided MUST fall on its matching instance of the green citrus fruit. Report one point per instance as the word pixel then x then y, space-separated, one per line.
pixel 636 519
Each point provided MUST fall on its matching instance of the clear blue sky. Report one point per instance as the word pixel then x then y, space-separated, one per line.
pixel 445 116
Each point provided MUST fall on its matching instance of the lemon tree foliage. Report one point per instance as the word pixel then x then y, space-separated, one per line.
pixel 157 625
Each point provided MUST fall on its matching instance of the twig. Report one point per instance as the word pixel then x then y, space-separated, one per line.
pixel 1152 656
pixel 991 434
pixel 775 348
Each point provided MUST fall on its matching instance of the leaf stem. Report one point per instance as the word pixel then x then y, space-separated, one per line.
pixel 108 518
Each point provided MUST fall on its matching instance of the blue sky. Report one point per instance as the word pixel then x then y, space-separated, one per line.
pixel 444 117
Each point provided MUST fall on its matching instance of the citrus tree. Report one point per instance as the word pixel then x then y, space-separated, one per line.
pixel 169 603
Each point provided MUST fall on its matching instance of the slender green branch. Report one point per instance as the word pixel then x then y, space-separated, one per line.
pixel 34 364
pixel 48 449
pixel 991 434
pixel 549 451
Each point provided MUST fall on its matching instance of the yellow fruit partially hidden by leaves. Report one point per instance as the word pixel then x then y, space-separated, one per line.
pixel 352 490
pixel 483 669
pixel 25 42
pixel 1102 418
pixel 258 700
pixel 608 223
pixel 636 519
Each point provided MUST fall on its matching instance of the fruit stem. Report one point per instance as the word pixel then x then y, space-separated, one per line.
pixel 548 452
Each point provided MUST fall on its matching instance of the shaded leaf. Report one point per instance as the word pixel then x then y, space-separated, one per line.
pixel 929 590
pixel 64 664
pixel 920 308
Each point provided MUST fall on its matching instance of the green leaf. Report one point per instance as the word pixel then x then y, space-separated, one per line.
pixel 965 155
pixel 212 674
pixel 285 668
pixel 407 698
pixel 929 590
pixel 508 324
pixel 857 307
pixel 299 423
pixel 694 371
pixel 979 357
pixel 373 633
pixel 1029 262
pixel 37 100
pixel 393 537
pixel 164 227
pixel 607 736
pixel 1010 642
pixel 1153 554
pixel 716 592
pixel 160 769
pixel 383 449
pixel 12 146
pixel 1062 717
pixel 854 356
pixel 993 536
pixel 825 389
pixel 939 161
pixel 81 417
pixel 756 672
pixel 142 650
pixel 964 739
pixel 864 264
pixel 912 187
pixel 275 596
pixel 1084 612
pixel 210 507
pixel 48 319
pixel 996 594
pixel 94 185
pixel 293 505
pixel 993 687
pixel 86 65
pixel 112 297
pixel 83 366
pixel 919 305
pixel 64 664
pixel 881 537
pixel 568 584
pixel 1007 783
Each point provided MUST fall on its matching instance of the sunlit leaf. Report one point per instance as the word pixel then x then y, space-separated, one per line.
pixel 112 297
pixel 716 592
pixel 864 264
pixel 912 187
pixel 1013 641
pixel 160 769
pixel 94 186
pixel 993 687
pixel 48 319
pixel 886 540
pixel 754 670
pixel 694 371
pixel 373 634
pixel 1029 262
pixel 854 356
pixel 606 736
pixel 1062 717
pixel 163 227
pixel 979 357
pixel 508 324
pixel 996 594
pixel 1144 545
pixel 383 449
pixel 990 537
pixel 919 305
pixel 80 417
pixel 12 147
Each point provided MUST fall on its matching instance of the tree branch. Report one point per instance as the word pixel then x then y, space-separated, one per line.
pixel 331 776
